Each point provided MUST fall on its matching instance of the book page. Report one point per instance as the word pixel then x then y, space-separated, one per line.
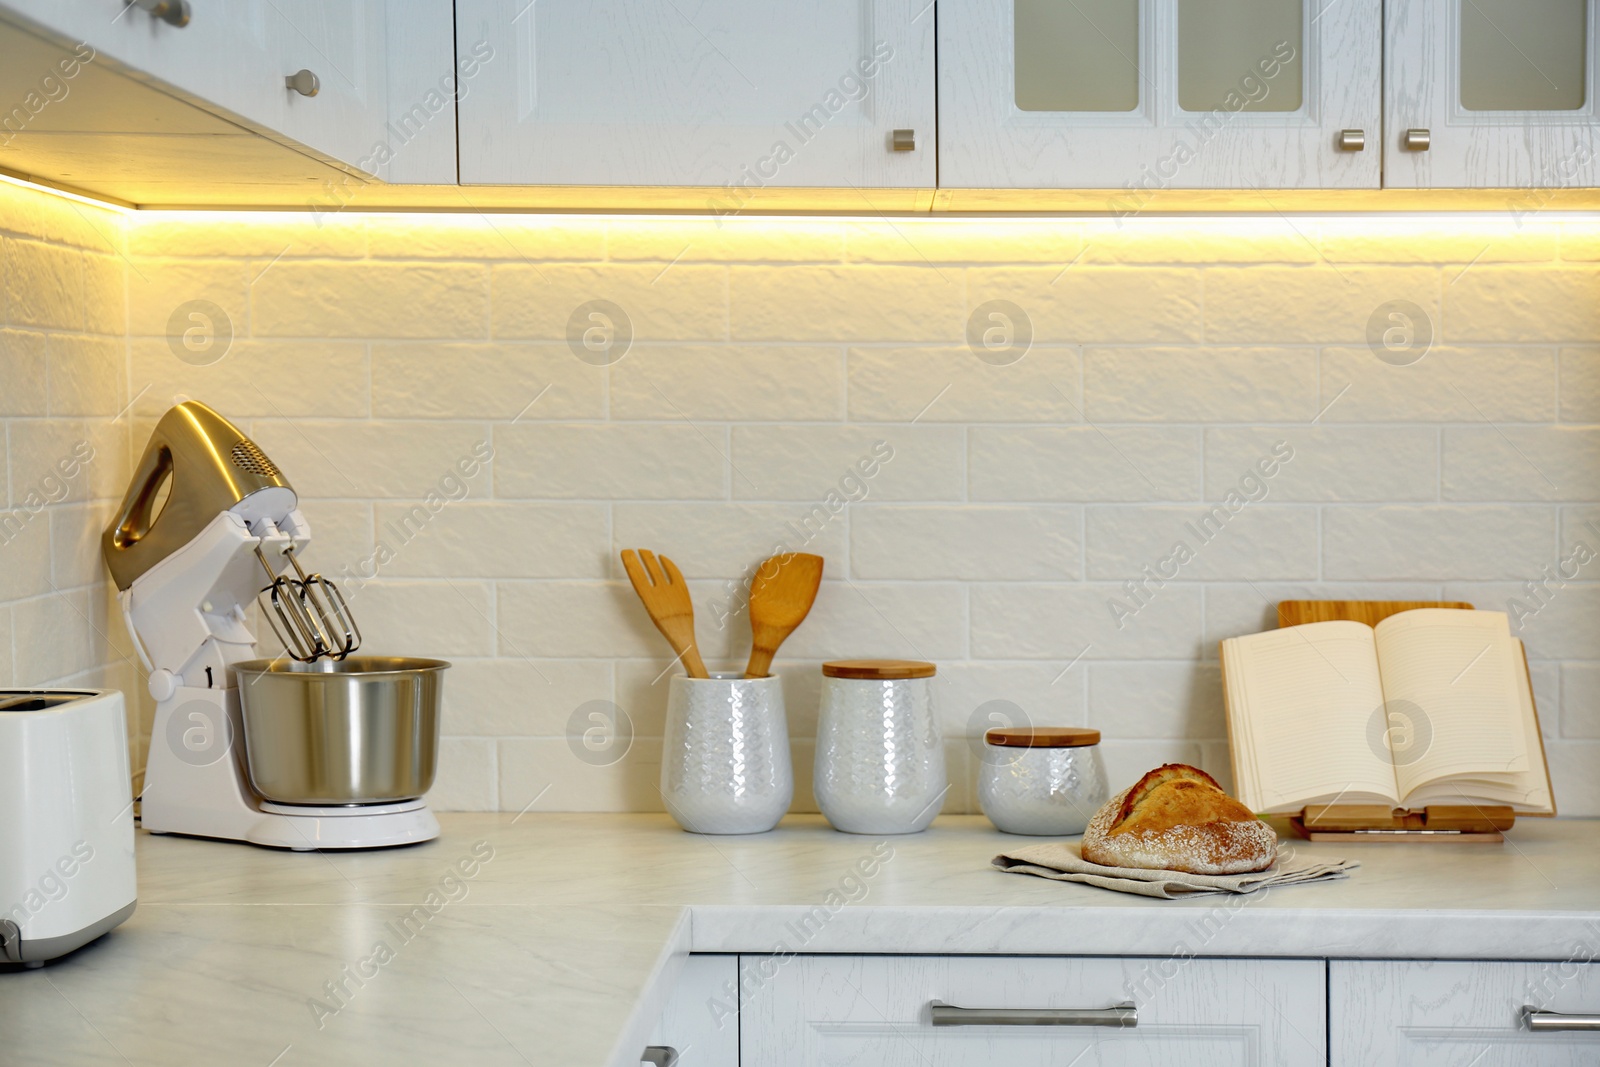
pixel 1300 700
pixel 1526 792
pixel 1450 695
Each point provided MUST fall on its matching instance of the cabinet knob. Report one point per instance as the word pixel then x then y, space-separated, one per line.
pixel 1418 140
pixel 174 12
pixel 660 1055
pixel 1352 140
pixel 904 141
pixel 303 82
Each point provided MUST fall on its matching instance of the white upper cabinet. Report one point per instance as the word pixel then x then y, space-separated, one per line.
pixel 1491 94
pixel 371 64
pixel 1160 94
pixel 748 93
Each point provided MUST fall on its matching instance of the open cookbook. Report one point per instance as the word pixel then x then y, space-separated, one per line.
pixel 1431 706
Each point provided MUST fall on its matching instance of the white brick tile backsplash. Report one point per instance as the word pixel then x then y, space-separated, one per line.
pixel 1580 701
pixel 1083 463
pixel 743 383
pixel 254 379
pixel 1445 385
pixel 1356 463
pixel 718 539
pixel 1018 621
pixel 1200 384
pixel 806 463
pixel 1443 542
pixel 1219 544
pixel 508 697
pixel 971 543
pixel 1562 624
pixel 1130 701
pixel 1580 384
pixel 505 380
pixel 1522 463
pixel 610 461
pixel 493 539
pixel 835 303
pixel 408 460
pixel 954 385
pixel 1314 305
pixel 1523 304
pixel 765 358
pixel 1084 305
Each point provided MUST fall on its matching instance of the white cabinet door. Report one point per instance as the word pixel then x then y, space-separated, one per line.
pixel 1406 1013
pixel 867 1011
pixel 1504 91
pixel 701 1021
pixel 748 93
pixel 233 57
pixel 1159 94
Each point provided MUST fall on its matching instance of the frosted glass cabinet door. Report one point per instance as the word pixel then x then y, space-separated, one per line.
pixel 698 92
pixel 1159 94
pixel 1496 94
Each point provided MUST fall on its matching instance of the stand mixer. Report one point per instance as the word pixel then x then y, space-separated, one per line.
pixel 315 749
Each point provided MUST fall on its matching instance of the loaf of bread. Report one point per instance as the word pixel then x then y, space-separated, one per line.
pixel 1177 818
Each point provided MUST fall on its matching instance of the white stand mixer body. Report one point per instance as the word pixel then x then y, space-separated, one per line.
pixel 187 615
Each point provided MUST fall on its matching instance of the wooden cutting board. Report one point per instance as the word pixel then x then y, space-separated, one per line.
pixel 1371 612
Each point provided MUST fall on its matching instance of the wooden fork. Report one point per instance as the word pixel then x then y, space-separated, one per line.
pixel 666 598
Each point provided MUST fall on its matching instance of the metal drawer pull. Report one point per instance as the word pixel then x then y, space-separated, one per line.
pixel 660 1055
pixel 1122 1015
pixel 304 82
pixel 1540 1021
pixel 1352 140
pixel 172 12
pixel 1418 140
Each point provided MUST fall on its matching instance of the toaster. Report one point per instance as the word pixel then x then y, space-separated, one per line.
pixel 66 821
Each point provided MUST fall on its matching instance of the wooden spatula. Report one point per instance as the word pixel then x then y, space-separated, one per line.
pixel 666 598
pixel 781 595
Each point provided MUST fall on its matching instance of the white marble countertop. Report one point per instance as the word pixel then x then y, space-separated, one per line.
pixel 561 948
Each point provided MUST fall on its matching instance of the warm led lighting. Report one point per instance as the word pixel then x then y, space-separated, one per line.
pixel 50 190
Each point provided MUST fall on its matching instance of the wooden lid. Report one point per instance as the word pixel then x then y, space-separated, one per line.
pixel 878 670
pixel 1042 737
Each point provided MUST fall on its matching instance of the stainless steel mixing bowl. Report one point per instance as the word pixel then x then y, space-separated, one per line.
pixel 363 730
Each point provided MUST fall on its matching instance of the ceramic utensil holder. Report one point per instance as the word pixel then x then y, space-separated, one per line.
pixel 1043 781
pixel 880 762
pixel 725 761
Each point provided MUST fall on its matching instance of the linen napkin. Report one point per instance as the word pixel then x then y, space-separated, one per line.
pixel 1062 861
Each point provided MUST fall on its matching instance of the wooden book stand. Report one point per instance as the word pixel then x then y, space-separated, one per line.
pixel 1367 822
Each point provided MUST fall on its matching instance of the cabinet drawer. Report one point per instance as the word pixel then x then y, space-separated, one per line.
pixel 1422 1014
pixel 858 1010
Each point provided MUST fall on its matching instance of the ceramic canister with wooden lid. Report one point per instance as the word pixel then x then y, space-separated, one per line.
pixel 1046 781
pixel 880 762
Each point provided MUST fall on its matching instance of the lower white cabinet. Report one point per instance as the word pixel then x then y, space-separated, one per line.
pixel 1410 1013
pixel 867 1011
pixel 701 1021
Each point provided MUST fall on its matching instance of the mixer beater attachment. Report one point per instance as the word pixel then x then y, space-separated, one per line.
pixel 307 613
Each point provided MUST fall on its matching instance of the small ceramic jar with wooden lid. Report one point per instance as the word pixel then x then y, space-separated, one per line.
pixel 1044 781
pixel 880 762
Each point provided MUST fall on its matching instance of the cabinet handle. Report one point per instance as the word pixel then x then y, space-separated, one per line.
pixel 660 1055
pixel 904 141
pixel 174 12
pixel 303 82
pixel 1352 140
pixel 1121 1015
pixel 1540 1021
pixel 1418 140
